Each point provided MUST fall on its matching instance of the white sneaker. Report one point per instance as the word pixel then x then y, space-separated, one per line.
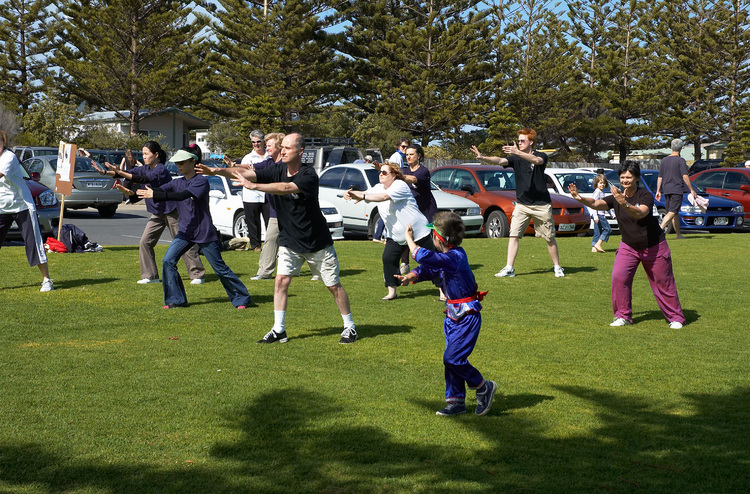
pixel 47 286
pixel 675 325
pixel 315 277
pixel 197 281
pixel 559 272
pixel 506 272
pixel 147 280
pixel 619 321
pixel 404 268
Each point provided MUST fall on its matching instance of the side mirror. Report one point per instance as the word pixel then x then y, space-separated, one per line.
pixel 35 176
pixel 468 188
pixel 746 188
pixel 216 194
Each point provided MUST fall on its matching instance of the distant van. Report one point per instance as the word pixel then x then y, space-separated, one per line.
pixel 26 152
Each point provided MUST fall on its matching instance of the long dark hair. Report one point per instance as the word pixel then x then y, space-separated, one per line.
pixel 156 149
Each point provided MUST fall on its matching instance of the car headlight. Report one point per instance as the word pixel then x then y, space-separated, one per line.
pixel 329 211
pixel 47 198
pixel 738 209
pixel 690 209
pixel 473 211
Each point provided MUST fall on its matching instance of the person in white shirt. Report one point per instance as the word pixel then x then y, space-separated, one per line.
pixel 399 157
pixel 398 209
pixel 255 202
pixel 17 204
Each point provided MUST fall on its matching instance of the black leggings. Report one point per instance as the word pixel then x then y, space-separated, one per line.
pixel 392 257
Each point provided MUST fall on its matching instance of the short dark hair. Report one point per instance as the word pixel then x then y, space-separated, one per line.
pixel 630 166
pixel 450 226
pixel 196 150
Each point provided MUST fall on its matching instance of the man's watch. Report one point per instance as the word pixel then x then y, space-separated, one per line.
pixel 627 205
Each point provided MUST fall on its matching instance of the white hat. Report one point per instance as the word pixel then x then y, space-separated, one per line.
pixel 182 156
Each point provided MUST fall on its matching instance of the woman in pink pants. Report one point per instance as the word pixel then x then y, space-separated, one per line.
pixel 643 242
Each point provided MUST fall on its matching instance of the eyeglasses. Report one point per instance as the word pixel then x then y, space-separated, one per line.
pixel 384 172
pixel 523 140
pixel 256 142
pixel 403 146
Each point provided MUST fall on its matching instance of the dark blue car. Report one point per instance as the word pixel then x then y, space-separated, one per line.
pixel 721 214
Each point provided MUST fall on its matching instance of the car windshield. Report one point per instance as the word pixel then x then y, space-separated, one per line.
pixel 81 165
pixel 497 179
pixel 372 176
pixel 582 180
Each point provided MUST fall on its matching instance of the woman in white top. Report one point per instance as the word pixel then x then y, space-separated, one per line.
pixel 398 209
pixel 17 204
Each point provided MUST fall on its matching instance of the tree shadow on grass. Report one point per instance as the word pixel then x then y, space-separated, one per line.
pixel 295 440
pixel 121 248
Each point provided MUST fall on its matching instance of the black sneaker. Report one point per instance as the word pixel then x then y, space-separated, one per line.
pixel 453 408
pixel 349 335
pixel 484 399
pixel 273 337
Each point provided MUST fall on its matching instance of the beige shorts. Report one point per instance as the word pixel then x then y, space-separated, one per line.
pixel 323 263
pixel 544 226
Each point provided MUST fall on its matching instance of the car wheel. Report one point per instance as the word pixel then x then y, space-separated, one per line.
pixel 107 211
pixel 239 228
pixel 496 225
pixel 374 220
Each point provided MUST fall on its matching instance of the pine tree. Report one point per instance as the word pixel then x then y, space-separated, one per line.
pixel 420 63
pixel 535 65
pixel 137 55
pixel 685 37
pixel 274 70
pixel 25 44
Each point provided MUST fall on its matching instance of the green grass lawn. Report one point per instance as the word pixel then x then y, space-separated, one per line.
pixel 101 390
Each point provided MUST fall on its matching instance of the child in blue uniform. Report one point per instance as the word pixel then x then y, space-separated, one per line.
pixel 195 227
pixel 462 317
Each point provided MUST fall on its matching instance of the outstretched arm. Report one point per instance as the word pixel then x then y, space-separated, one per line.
pixel 495 160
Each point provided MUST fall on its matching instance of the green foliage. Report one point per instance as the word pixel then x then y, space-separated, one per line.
pixel 25 41
pixel 378 131
pixel 422 64
pixel 9 122
pixel 140 56
pixel 125 397
pixel 48 122
pixel 738 149
pixel 99 136
pixel 274 72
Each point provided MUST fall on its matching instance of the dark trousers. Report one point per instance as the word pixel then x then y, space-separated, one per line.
pixel 253 210
pixel 392 257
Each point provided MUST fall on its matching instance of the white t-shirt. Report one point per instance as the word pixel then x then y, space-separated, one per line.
pixel 247 194
pixel 396 158
pixel 400 211
pixel 15 195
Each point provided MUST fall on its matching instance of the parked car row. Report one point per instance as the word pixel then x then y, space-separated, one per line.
pixel 493 188
pixel 729 183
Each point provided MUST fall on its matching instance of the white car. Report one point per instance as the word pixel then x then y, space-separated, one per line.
pixel 558 179
pixel 364 217
pixel 228 213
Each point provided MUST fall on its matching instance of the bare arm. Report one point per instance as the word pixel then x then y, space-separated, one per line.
pixel 636 212
pixel 657 195
pixel 495 160
pixel 231 173
pixel 531 158
pixel 597 204
pixel 357 196
pixel 689 184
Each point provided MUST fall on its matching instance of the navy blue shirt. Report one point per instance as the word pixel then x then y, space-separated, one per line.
pixel 195 217
pixel 154 177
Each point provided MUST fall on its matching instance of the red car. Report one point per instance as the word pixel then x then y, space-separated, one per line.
pixel 731 183
pixel 493 188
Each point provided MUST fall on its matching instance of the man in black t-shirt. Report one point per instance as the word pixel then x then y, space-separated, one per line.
pixel 532 198
pixel 303 232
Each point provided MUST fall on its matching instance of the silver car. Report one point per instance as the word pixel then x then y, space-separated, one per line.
pixel 90 189
pixel 364 217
